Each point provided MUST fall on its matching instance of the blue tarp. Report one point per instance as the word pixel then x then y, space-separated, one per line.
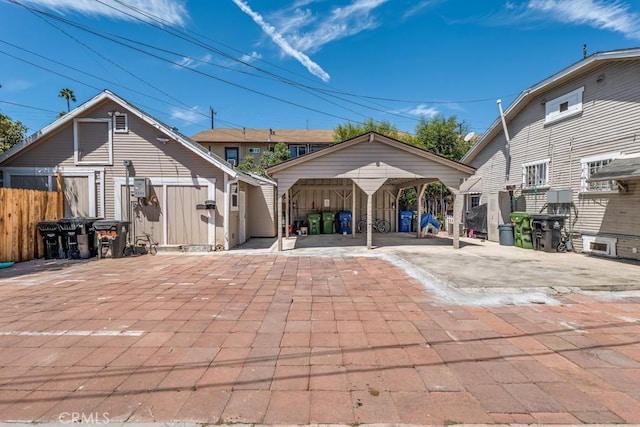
pixel 427 218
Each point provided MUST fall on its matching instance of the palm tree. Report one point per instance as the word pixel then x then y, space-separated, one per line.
pixel 67 94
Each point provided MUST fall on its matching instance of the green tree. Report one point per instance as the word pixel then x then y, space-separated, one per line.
pixel 248 164
pixel 279 154
pixel 350 130
pixel 11 132
pixel 67 94
pixel 443 136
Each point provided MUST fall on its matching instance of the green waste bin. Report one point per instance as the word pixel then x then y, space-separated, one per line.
pixel 522 229
pixel 313 219
pixel 328 222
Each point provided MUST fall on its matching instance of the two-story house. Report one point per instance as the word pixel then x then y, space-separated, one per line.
pixel 576 131
pixel 234 144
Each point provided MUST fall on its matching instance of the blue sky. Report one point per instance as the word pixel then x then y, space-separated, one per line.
pixel 297 63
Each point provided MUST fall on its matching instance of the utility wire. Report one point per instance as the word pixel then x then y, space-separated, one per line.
pixel 74 24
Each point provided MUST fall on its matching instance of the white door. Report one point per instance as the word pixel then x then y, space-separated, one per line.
pixel 243 218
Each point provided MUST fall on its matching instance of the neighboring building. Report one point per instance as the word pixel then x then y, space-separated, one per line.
pixel 180 194
pixel 234 144
pixel 576 131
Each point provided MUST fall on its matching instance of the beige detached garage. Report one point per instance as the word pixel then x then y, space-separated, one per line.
pixel 117 162
pixel 365 175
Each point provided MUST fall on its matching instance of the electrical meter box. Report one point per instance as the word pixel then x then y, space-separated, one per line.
pixel 141 188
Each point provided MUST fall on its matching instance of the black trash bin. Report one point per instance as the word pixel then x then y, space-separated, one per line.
pixel 78 237
pixel 111 237
pixel 547 232
pixel 51 239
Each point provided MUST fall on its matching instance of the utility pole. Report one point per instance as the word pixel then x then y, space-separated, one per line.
pixel 213 113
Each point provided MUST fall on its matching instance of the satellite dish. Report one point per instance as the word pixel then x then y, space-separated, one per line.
pixel 468 136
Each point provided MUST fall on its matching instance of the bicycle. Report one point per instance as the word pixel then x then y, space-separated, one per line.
pixel 146 244
pixel 380 225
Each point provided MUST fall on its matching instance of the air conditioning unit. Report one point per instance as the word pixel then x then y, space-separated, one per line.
pixel 233 162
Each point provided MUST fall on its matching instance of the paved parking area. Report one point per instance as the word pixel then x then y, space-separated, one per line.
pixel 296 339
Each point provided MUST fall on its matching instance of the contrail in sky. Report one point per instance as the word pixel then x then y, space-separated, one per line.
pixel 278 39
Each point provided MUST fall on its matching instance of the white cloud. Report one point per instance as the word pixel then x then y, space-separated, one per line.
pixel 420 6
pixel 278 39
pixel 191 115
pixel 251 57
pixel 342 22
pixel 423 111
pixel 188 62
pixel 170 11
pixel 602 14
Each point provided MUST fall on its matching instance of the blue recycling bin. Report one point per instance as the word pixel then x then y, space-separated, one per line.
pixel 343 222
pixel 406 217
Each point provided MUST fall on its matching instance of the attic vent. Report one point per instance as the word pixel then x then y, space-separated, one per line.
pixel 120 123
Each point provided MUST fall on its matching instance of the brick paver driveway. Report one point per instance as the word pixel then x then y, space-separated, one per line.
pixel 285 339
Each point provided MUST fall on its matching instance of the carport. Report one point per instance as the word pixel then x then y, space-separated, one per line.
pixel 371 169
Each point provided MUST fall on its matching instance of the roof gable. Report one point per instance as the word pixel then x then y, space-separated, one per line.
pixel 370 137
pixel 106 95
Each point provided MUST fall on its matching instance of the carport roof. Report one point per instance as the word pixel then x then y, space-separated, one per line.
pixel 460 170
pixel 371 137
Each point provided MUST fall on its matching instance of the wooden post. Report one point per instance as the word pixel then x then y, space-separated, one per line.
pixel 60 191
pixel 279 200
pixel 353 210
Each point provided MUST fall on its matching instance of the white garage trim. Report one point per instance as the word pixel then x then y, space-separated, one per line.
pixel 165 182
pixel 51 173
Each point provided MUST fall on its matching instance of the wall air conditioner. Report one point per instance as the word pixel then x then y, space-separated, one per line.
pixel 233 162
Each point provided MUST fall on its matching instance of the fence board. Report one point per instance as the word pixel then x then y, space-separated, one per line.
pixel 20 213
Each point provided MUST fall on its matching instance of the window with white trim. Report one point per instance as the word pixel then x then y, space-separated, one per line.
pixel 254 150
pixel 233 193
pixel 564 106
pixel 120 123
pixel 535 174
pixel 589 166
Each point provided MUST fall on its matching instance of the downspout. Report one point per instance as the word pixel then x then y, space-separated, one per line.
pixel 508 144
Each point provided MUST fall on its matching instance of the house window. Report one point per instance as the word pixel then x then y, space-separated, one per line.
pixel 233 193
pixel 536 174
pixel 591 165
pixel 474 201
pixel 255 150
pixel 565 106
pixel 231 155
pixel 297 150
pixel 120 123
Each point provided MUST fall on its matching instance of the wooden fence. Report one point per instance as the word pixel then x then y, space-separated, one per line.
pixel 20 213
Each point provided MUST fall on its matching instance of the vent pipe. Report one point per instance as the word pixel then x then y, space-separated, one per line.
pixel 508 141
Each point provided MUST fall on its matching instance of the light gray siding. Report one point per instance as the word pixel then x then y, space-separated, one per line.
pixel 150 158
pixel 610 122
pixel 261 208
pixel 370 160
